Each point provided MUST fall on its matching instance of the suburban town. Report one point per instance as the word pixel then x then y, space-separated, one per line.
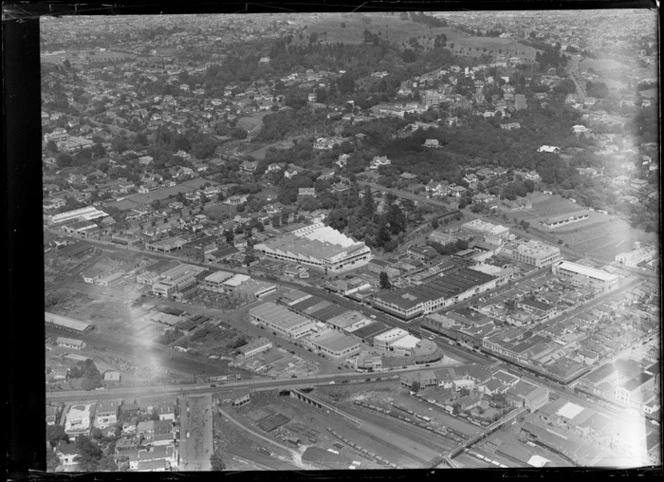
pixel 385 240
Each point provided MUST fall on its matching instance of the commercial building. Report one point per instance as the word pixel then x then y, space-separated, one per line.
pixel 383 341
pixel 634 258
pixel 629 391
pixel 319 246
pixel 176 279
pixel 68 324
pixel 282 320
pixel 167 245
pixel 334 344
pixel 243 287
pixel 536 254
pixel 437 292
pixel 493 233
pixel 255 347
pixel 199 248
pixel 82 214
pixel 215 281
pixel 584 276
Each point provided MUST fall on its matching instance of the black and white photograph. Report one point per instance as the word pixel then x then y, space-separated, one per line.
pixel 354 240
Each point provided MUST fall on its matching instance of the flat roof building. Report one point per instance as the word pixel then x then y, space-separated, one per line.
pixel 439 291
pixel 82 214
pixel 319 246
pixel 78 419
pixel 254 347
pixel 282 320
pixel 536 254
pixel 584 276
pixel 215 281
pixel 493 233
pixel 334 344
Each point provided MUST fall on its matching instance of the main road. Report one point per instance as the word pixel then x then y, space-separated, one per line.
pixel 254 385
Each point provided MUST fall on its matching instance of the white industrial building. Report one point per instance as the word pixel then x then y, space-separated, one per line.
pixel 319 246
pixel 633 258
pixel 584 276
pixel 282 320
pixel 83 214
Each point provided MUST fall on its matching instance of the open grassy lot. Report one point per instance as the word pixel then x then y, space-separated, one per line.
pixel 350 28
pixel 604 239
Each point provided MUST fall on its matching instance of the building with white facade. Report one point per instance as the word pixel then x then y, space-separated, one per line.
pixel 493 233
pixel 78 419
pixel 334 344
pixel 536 254
pixel 633 258
pixel 176 279
pixel 107 413
pixel 319 246
pixel 564 219
pixel 70 343
pixel 584 276
pixel 82 214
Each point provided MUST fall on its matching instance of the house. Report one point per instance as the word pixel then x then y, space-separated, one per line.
pixel 112 376
pixel 468 402
pixel 378 161
pixel 306 192
pixel 248 166
pixel 107 413
pixel 290 172
pixel 431 143
pixel 549 149
pixel 342 160
pixel 66 453
pixel 235 200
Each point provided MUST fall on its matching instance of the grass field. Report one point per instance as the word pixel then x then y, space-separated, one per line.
pixel 604 239
pixel 350 28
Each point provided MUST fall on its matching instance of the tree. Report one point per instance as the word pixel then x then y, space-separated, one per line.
pixel 89 454
pixel 385 281
pixel 52 460
pixel 55 434
pixel 51 146
pixel 415 387
pixel 238 133
pixel 217 461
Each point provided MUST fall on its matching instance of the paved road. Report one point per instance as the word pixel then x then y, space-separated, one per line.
pixel 254 385
pixel 196 434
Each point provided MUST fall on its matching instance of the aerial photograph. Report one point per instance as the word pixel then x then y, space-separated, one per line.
pixel 349 241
